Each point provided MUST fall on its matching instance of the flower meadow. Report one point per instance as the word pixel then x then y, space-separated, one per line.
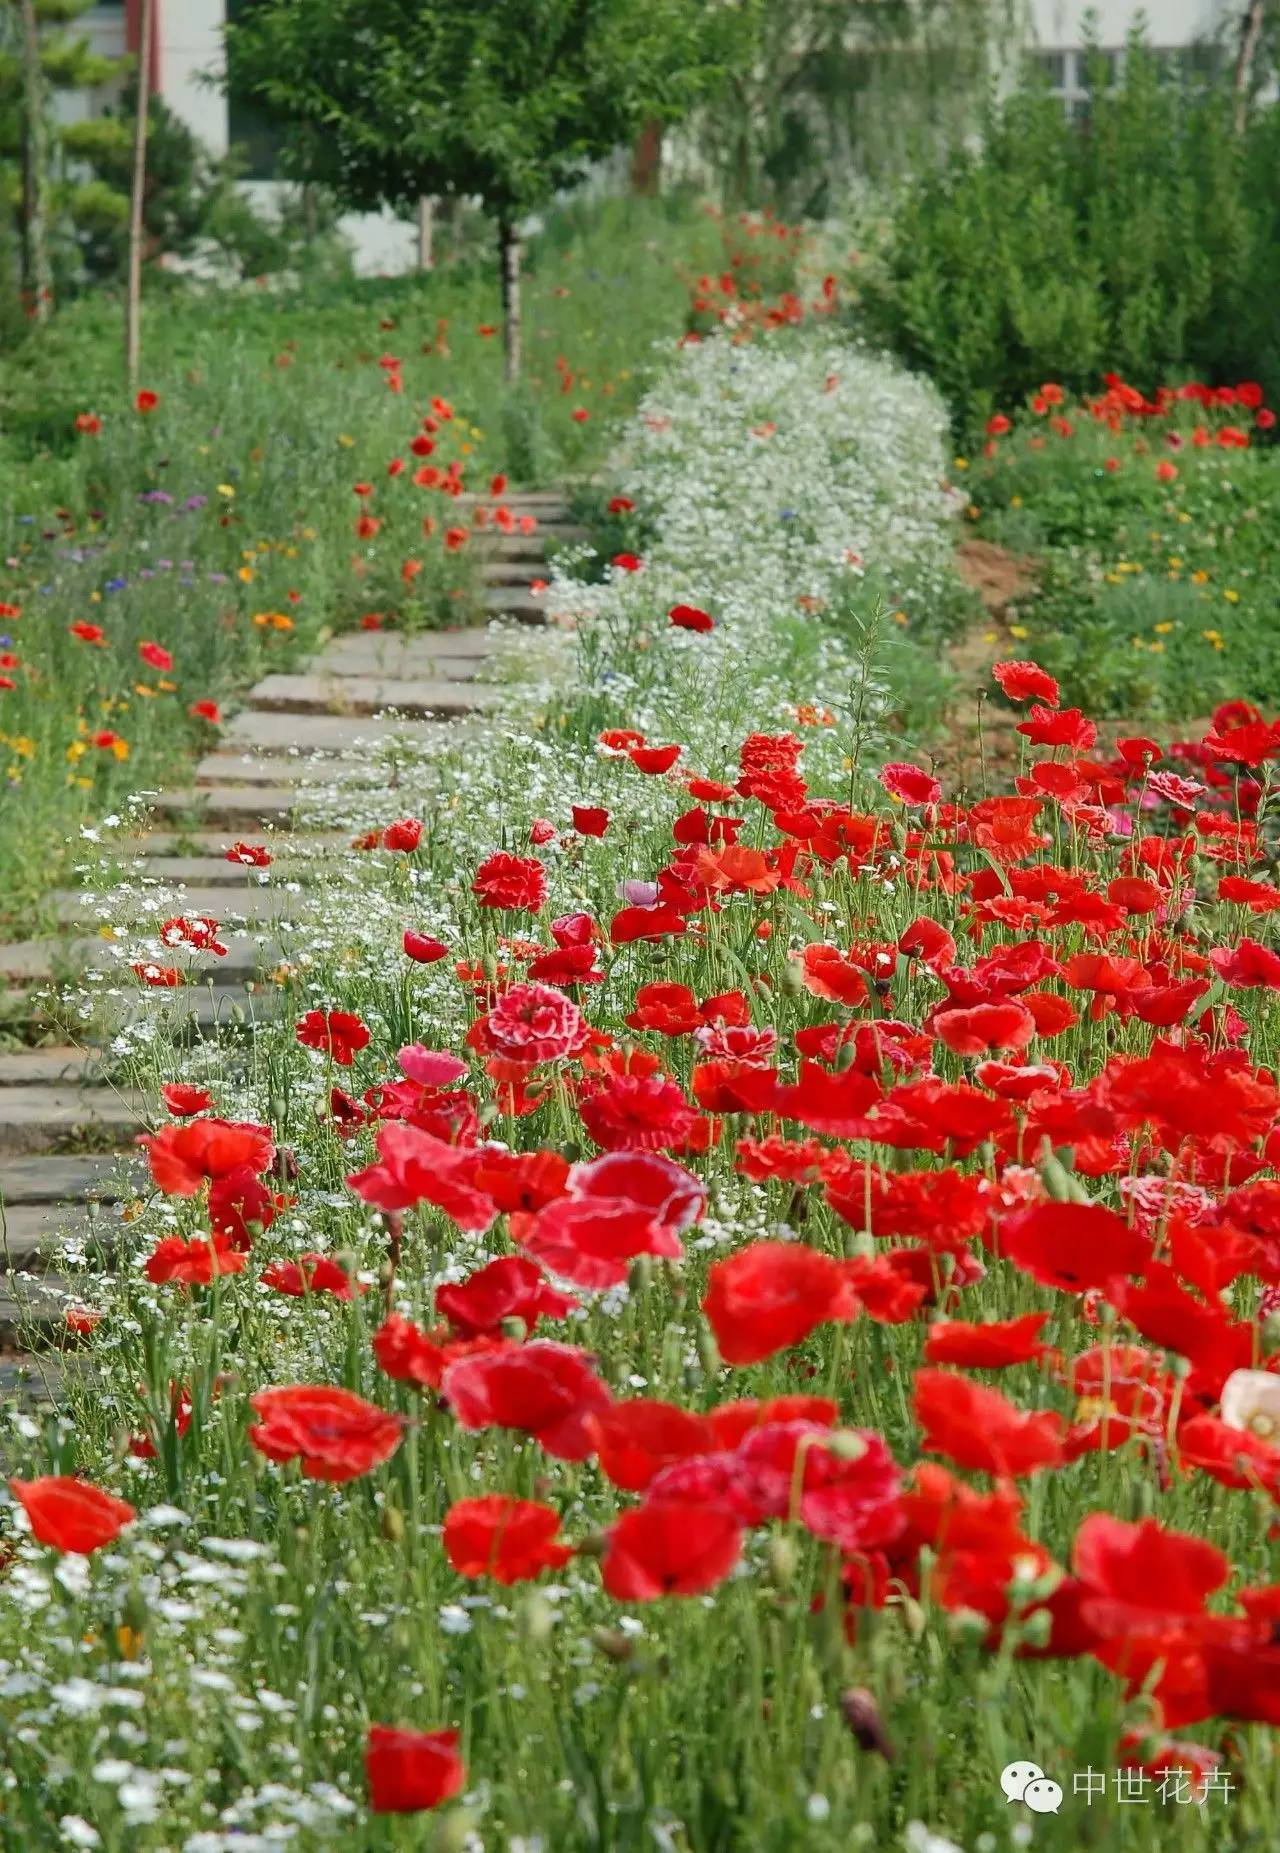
pixel 731 1294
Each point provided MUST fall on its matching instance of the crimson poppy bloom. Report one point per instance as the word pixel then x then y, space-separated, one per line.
pixel 184 1157
pixel 70 1514
pixel 334 1433
pixel 690 618
pixel 408 1771
pixel 635 1440
pixel 183 1099
pixel 424 948
pixel 194 1263
pixel 511 1287
pixel 1022 681
pixel 990 1346
pixel 517 883
pixel 771 1295
pixel 311 1273
pixel 206 711
pixel 590 819
pixel 145 400
pixel 340 1034
pixel 984 1026
pixel 909 784
pixel 155 656
pixel 511 1540
pixel 249 855
pixel 403 836
pixel 674 1548
pixel 544 1389
pixel 1072 1246
pixel 654 759
pixel 980 1429
pixel 532 1023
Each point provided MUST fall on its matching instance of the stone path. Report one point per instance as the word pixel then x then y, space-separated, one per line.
pixel 65 1129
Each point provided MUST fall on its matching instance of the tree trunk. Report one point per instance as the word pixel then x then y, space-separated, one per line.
pixel 646 160
pixel 509 262
pixel 1250 33
pixel 133 288
pixel 37 276
pixel 426 229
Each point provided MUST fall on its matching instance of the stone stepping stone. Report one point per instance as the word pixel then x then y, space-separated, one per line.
pixel 33 1231
pixel 514 602
pixel 32 1310
pixel 240 811
pixel 493 544
pixel 360 695
pixel 48 1066
pixel 281 732
pixel 270 902
pixel 108 1178
pixel 390 653
pixel 217 872
pixel 45 960
pixel 43 1118
pixel 292 849
pixel 510 571
pixel 223 770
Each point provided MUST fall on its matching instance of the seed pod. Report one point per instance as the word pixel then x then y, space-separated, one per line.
pixel 392 1524
pixel 862 1715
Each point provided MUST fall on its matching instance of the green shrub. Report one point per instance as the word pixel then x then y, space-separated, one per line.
pixel 1143 237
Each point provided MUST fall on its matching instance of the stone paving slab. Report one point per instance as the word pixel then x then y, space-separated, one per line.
pixel 291 850
pixel 44 960
pixel 366 653
pixel 20 1067
pixel 41 1118
pixel 223 770
pixel 108 1177
pixel 236 809
pixel 274 901
pixel 512 602
pixel 332 734
pixel 360 695
pixel 32 1232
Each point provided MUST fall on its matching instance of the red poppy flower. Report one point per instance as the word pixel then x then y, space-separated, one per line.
pixel 1247 964
pixel 980 1429
pixel 311 1273
pixel 511 1540
pixel 250 855
pixel 206 711
pixel 334 1433
pixel 670 1549
pixel 544 1389
pixel 1072 1246
pixel 340 1034
pixel 70 1514
pixel 518 883
pixel 654 759
pixel 403 836
pixel 512 1287
pixel 194 1263
pixel 423 949
pixel 909 784
pixel 982 1027
pixel 88 633
pixel 635 1440
pixel 183 1157
pixel 626 562
pixel 411 1770
pixel 416 1167
pixel 638 1112
pixel 590 820
pixel 690 618
pixel 155 656
pixel 991 1346
pixel 1023 681
pixel 660 921
pixel 532 1023
pixel 145 400
pixel 183 1099
pixel 771 1295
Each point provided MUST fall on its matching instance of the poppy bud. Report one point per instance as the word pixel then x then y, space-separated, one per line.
pixel 782 1558
pixel 862 1715
pixel 844 1444
pixel 489 967
pixel 708 1350
pixel 846 1055
pixel 535 1617
pixel 614 1644
pixel 1271 1332
pixel 913 1616
pixel 1036 1629
pixel 455 1832
pixel 640 1274
pixel 967 1623
pixel 595 1544
pixel 392 1524
pixel 791 979
pixel 514 1327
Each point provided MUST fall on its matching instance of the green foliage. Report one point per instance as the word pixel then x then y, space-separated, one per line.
pixel 1154 600
pixel 454 99
pixel 1144 238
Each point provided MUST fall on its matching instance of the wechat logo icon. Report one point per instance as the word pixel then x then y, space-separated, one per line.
pixel 1027 1783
